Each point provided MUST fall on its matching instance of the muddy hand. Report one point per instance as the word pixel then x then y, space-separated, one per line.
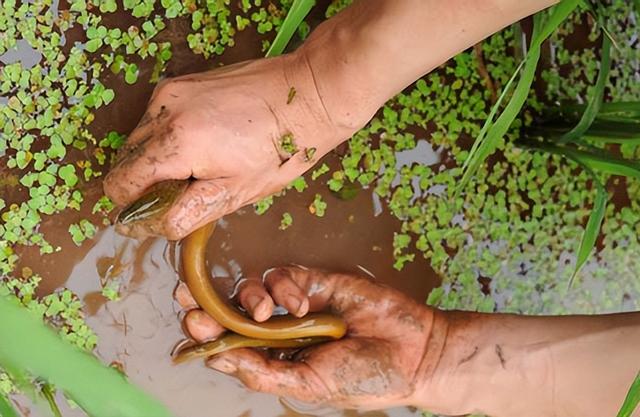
pixel 375 366
pixel 242 132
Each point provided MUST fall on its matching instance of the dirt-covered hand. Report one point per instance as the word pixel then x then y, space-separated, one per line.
pixel 377 365
pixel 241 132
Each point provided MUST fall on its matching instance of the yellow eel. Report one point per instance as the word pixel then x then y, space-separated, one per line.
pixel 277 332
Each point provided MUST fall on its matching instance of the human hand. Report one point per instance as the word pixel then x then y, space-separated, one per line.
pixel 380 363
pixel 242 132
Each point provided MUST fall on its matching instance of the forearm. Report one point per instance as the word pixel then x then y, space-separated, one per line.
pixel 505 365
pixel 375 48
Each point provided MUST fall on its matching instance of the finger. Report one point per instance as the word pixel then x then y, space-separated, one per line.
pixel 255 299
pixel 201 326
pixel 287 293
pixel 317 286
pixel 183 296
pixel 202 202
pixel 150 162
pixel 283 378
pixel 343 293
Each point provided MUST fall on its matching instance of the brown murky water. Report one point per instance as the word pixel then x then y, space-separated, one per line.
pixel 139 331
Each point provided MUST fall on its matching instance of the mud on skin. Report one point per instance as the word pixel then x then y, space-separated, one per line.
pixel 376 365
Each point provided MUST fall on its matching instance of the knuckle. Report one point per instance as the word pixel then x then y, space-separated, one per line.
pixel 277 277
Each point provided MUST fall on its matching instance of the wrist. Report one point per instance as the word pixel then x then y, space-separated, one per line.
pixel 336 58
pixel 486 361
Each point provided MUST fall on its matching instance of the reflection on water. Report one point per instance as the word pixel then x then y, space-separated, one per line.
pixel 23 53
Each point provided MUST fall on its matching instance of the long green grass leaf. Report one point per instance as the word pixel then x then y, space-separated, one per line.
pixel 607 164
pixel 558 15
pixel 593 159
pixel 628 111
pixel 299 10
pixel 485 145
pixel 496 131
pixel 492 114
pixel 6 408
pixel 596 96
pixel 633 396
pixel 592 230
pixel 100 391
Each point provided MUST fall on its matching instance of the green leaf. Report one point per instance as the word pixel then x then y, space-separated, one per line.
pixel 484 146
pixel 68 174
pixel 592 230
pixel 595 100
pixel 93 45
pixel 108 96
pixel 69 369
pixel 318 207
pixel 299 10
pixel 6 408
pixel 131 74
pixel 558 15
pixel 286 221
pixel 633 396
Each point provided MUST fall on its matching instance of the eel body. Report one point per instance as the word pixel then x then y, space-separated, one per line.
pixel 277 332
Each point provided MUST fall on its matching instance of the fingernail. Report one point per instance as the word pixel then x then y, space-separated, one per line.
pixel 223 365
pixel 253 301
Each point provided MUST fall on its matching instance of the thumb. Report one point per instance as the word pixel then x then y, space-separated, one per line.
pixel 282 378
pixel 202 202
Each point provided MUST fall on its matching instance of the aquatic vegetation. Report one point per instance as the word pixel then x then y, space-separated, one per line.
pixel 318 207
pixel 286 221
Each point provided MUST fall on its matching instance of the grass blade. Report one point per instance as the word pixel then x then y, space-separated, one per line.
pixel 496 131
pixel 492 115
pixel 633 396
pixel 299 10
pixel 100 390
pixel 557 16
pixel 592 230
pixel 597 94
pixel 485 145
pixel 605 163
pixel 48 392
pixel 593 159
pixel 6 408
pixel 622 110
